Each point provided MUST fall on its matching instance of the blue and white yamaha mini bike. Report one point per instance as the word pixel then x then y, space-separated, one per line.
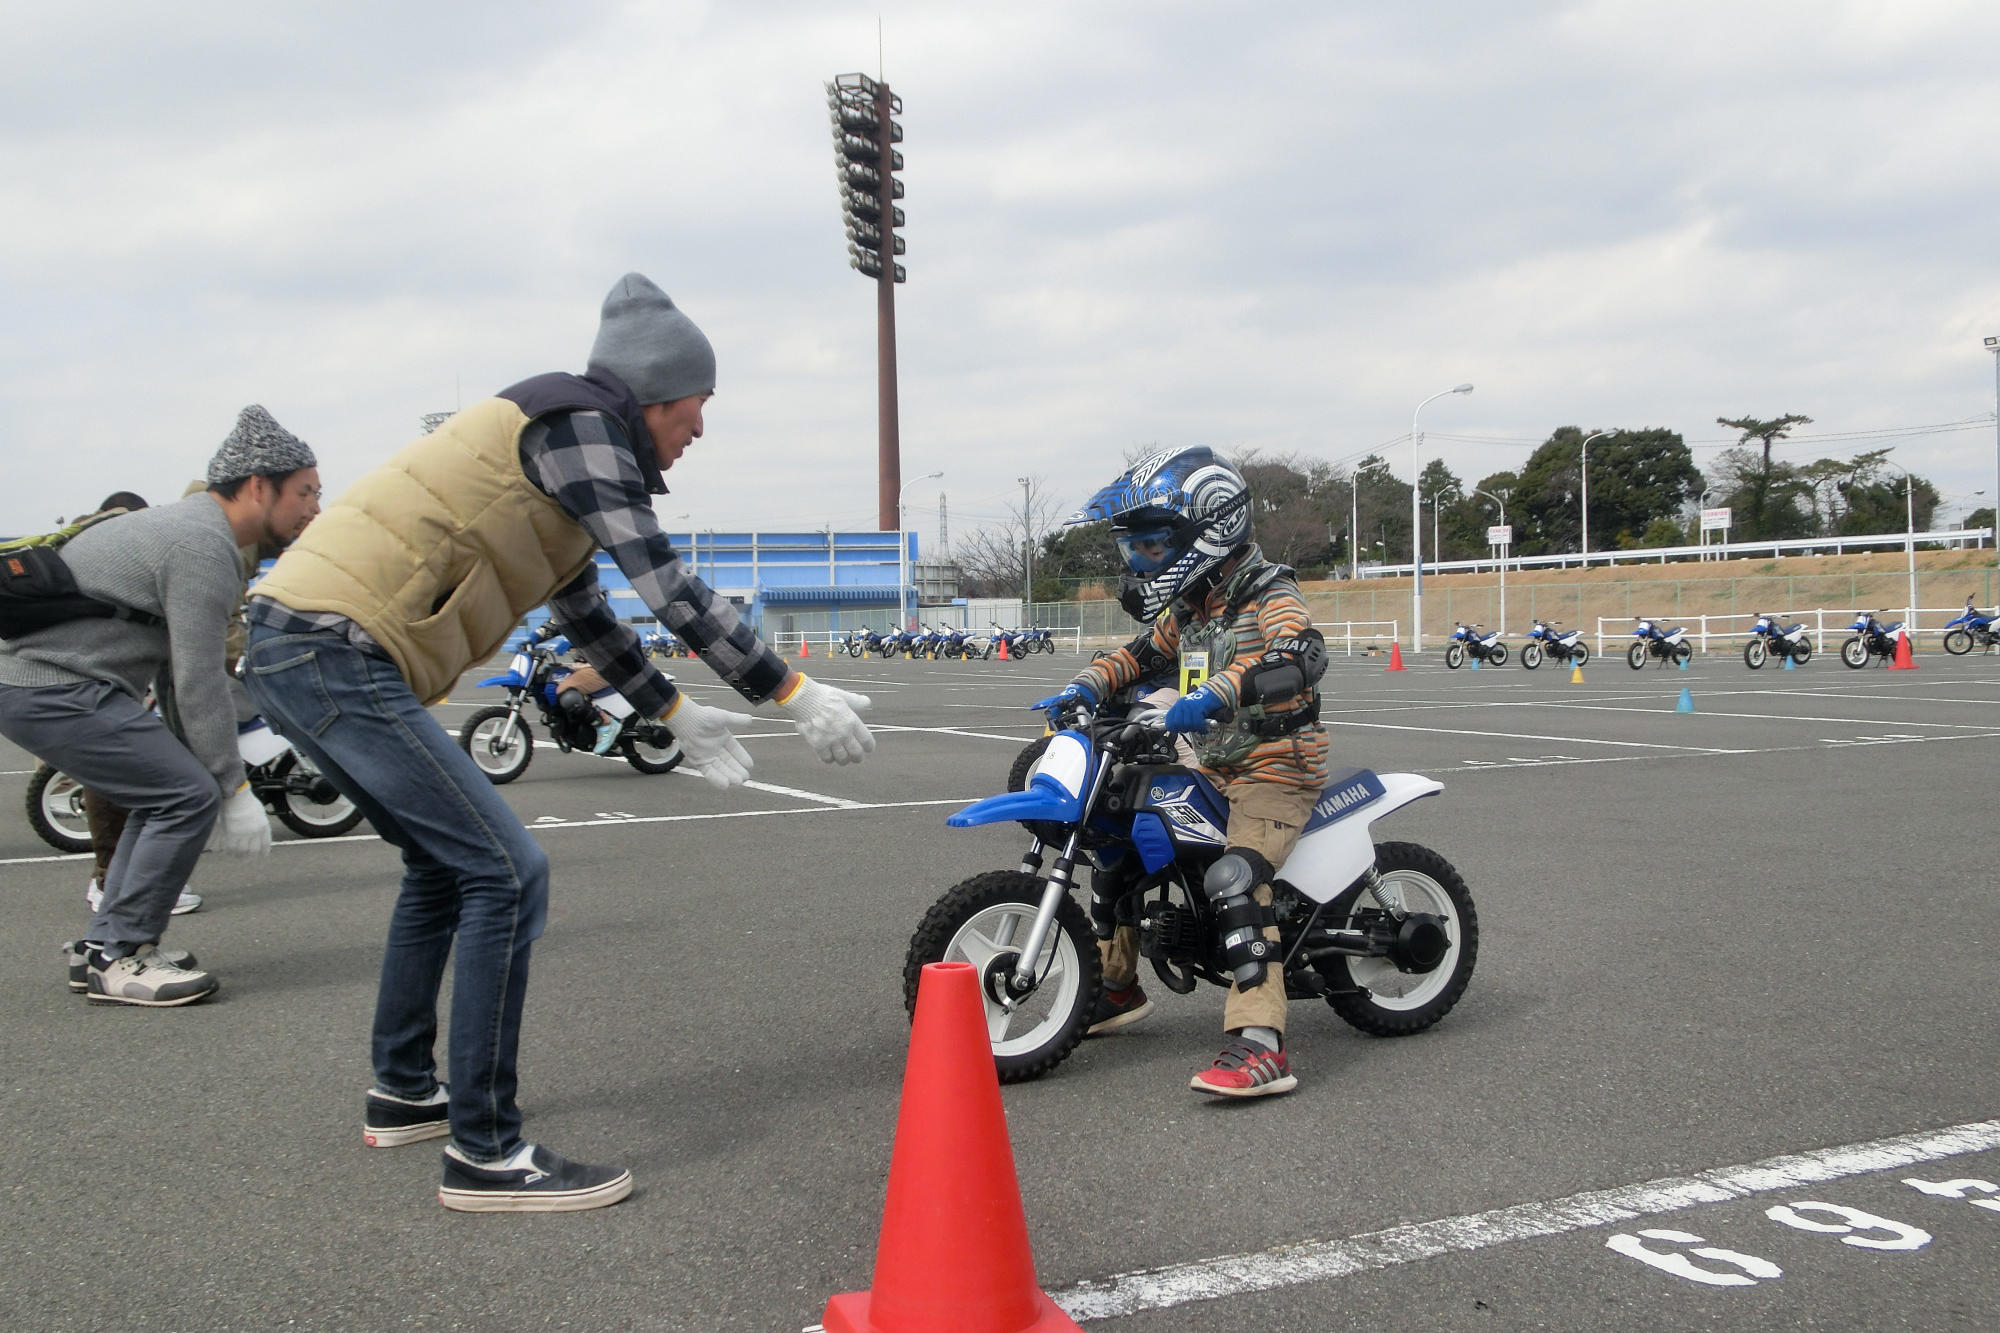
pixel 1663 645
pixel 1771 637
pixel 1973 629
pixel 1558 645
pixel 1385 933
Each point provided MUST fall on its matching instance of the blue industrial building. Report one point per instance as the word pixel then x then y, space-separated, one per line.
pixel 781 577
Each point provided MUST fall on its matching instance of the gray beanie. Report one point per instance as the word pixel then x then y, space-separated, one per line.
pixel 258 447
pixel 648 343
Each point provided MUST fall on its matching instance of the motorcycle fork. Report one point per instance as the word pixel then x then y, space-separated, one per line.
pixel 1022 980
pixel 507 729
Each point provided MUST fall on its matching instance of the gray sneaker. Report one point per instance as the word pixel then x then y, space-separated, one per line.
pixel 77 954
pixel 146 978
pixel 187 902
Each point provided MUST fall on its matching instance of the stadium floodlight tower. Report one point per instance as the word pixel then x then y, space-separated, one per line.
pixel 864 156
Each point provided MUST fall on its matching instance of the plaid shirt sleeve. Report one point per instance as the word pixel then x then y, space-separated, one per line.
pixel 583 461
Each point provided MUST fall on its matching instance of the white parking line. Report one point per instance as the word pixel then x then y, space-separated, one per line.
pixel 1319 1261
pixel 1530 736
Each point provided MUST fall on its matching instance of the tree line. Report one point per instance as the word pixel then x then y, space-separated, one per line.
pixel 1645 492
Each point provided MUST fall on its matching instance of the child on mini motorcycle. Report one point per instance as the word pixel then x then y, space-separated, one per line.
pixel 1182 523
pixel 607 708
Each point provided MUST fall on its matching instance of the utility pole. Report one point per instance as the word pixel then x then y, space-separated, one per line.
pixel 865 131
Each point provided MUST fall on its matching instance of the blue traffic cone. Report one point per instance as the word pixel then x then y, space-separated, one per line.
pixel 1682 662
pixel 1790 665
pixel 1686 704
pixel 1475 664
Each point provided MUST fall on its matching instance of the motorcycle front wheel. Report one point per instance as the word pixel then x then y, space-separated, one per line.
pixel 302 811
pixel 481 738
pixel 651 749
pixel 1854 652
pixel 1958 643
pixel 1636 655
pixel 1531 655
pixel 1374 994
pixel 1454 656
pixel 1754 654
pixel 55 810
pixel 978 922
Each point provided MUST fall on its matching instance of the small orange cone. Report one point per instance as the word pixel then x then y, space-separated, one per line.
pixel 805 649
pixel 953 1253
pixel 1003 651
pixel 1905 659
pixel 1395 658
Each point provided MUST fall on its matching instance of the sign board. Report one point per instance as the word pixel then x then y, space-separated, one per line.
pixel 1712 519
pixel 1503 536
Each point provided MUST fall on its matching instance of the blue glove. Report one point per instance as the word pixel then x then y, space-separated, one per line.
pixel 1076 694
pixel 1191 712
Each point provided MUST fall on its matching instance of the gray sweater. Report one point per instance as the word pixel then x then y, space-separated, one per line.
pixel 178 562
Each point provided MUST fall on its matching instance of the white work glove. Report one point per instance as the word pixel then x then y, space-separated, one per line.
pixel 708 737
pixel 243 829
pixel 830 721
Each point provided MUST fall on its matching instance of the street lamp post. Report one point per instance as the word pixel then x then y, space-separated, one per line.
pixel 1993 346
pixel 1583 472
pixel 1417 521
pixel 903 551
pixel 1027 551
pixel 1909 539
pixel 1354 523
pixel 1503 557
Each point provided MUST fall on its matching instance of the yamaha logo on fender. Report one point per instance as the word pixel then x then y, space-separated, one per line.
pixel 1356 791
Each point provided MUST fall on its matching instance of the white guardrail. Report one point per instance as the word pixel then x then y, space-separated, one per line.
pixel 827 642
pixel 1820 622
pixel 1347 632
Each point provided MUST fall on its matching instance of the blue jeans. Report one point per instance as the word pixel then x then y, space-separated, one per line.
pixel 470 870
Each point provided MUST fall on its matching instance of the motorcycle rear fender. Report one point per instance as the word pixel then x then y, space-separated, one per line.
pixel 511 679
pixel 1332 856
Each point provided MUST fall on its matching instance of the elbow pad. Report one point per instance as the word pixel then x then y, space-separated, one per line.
pixel 1287 669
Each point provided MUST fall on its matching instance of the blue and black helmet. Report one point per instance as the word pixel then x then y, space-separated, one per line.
pixel 1176 516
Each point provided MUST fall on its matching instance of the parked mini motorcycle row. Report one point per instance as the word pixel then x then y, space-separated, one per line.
pixel 1385 933
pixel 1662 645
pixel 1547 640
pixel 1771 637
pixel 1467 641
pixel 281 777
pixel 1973 629
pixel 1871 638
pixel 502 743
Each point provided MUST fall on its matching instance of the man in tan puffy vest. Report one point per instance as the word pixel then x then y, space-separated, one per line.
pixel 421 570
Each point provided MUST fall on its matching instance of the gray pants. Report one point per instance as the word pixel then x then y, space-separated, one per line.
pixel 102 737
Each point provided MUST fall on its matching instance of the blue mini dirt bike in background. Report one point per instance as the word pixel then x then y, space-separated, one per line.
pixel 1663 645
pixel 1545 640
pixel 1466 641
pixel 1871 638
pixel 1973 629
pixel 1385 933
pixel 1771 637
pixel 502 743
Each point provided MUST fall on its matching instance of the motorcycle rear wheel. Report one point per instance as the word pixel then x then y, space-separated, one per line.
pixel 1531 655
pixel 1854 653
pixel 480 736
pixel 1373 994
pixel 1754 654
pixel 1580 654
pixel 1499 657
pixel 975 922
pixel 55 810
pixel 1682 651
pixel 1024 763
pixel 1636 656
pixel 1958 643
pixel 299 812
pixel 650 757
pixel 1802 652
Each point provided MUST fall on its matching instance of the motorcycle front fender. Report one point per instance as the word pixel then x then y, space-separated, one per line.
pixel 1043 799
pixel 512 680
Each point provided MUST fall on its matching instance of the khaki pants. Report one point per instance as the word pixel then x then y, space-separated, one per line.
pixel 1265 818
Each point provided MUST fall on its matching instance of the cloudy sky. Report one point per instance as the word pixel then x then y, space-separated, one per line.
pixel 1274 226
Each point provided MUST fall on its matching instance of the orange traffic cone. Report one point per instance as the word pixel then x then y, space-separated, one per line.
pixel 1395 658
pixel 1905 660
pixel 953 1253
pixel 805 649
pixel 1003 651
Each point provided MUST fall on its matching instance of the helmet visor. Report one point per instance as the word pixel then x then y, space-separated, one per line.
pixel 1148 549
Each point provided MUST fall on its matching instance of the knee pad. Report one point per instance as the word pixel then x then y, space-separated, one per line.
pixel 1240 919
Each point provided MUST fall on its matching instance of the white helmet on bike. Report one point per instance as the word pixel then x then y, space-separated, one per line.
pixel 1176 516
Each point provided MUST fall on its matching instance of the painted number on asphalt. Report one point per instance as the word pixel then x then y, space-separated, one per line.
pixel 1670 1252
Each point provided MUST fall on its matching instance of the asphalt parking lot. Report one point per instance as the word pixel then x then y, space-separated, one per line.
pixel 1761 930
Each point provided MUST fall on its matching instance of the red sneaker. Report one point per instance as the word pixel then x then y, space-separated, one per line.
pixel 1246 1069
